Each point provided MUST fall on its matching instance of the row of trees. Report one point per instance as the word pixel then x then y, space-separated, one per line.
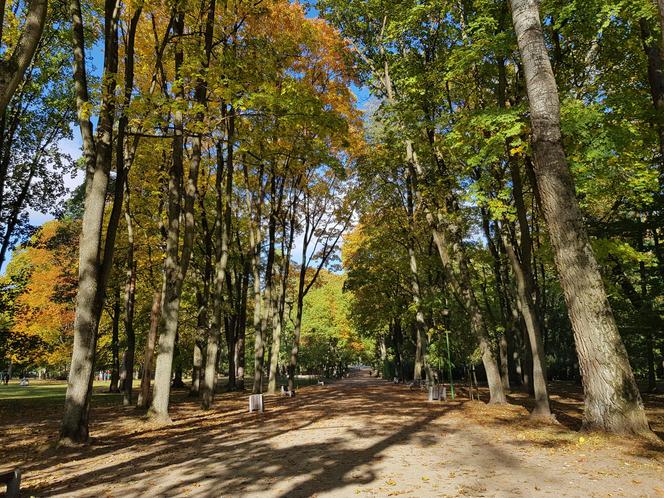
pixel 217 147
pixel 472 179
pixel 225 145
pixel 239 128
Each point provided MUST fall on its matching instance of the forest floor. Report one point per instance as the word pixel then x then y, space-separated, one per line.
pixel 356 437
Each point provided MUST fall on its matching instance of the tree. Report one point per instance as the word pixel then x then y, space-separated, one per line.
pixel 612 399
pixel 12 70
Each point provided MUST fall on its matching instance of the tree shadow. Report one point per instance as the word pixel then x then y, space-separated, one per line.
pixel 229 451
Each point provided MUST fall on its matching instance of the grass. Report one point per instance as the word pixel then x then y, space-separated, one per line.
pixel 54 390
pixel 50 391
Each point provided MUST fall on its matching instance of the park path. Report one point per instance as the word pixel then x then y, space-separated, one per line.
pixel 356 437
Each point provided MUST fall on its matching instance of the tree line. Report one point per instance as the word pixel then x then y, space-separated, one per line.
pixel 517 167
pixel 505 187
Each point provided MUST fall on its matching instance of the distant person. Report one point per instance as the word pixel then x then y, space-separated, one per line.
pixel 5 378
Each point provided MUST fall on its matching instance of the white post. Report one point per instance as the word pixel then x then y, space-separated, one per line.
pixel 256 402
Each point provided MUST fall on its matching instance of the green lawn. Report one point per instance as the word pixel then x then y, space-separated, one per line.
pixel 49 390
pixel 54 390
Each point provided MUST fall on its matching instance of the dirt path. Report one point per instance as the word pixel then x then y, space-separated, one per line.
pixel 357 437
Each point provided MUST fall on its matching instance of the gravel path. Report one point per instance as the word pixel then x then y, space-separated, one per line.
pixel 357 437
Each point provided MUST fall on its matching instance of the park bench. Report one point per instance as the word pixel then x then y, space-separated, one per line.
pixel 12 479
pixel 256 403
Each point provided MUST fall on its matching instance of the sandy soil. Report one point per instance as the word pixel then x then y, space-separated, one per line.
pixel 357 437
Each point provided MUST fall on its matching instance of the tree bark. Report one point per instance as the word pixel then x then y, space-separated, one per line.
pixel 528 311
pixel 13 69
pixel 155 313
pixel 398 348
pixel 277 321
pixel 176 263
pixel 93 270
pixel 501 292
pixel 612 400
pixel 130 299
pixel 268 309
pixel 281 265
pixel 115 344
pixel 525 290
pixel 420 326
pixel 223 234
pixel 241 331
pixel 254 204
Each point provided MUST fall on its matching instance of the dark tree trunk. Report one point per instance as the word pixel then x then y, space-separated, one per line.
pixel 397 340
pixel 155 313
pixel 241 331
pixel 125 155
pixel 421 336
pixel 501 292
pixel 115 345
pixel 526 292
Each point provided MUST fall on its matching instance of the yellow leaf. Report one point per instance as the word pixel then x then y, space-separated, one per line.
pixel 515 151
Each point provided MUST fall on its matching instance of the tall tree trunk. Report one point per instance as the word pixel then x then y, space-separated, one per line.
pixel 288 237
pixel 241 331
pixel 202 325
pixel 254 208
pixel 503 298
pixel 612 399
pixel 125 156
pixel 115 344
pixel 178 381
pixel 276 334
pixel 528 311
pixel 155 313
pixel 297 324
pixel 176 263
pixel 94 264
pixel 224 193
pixel 462 286
pixel 398 348
pixel 277 321
pixel 268 309
pixel 448 241
pixel 525 290
pixel 258 337
pixel 420 326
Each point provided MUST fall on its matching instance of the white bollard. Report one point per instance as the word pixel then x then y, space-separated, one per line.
pixel 256 402
pixel 437 393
